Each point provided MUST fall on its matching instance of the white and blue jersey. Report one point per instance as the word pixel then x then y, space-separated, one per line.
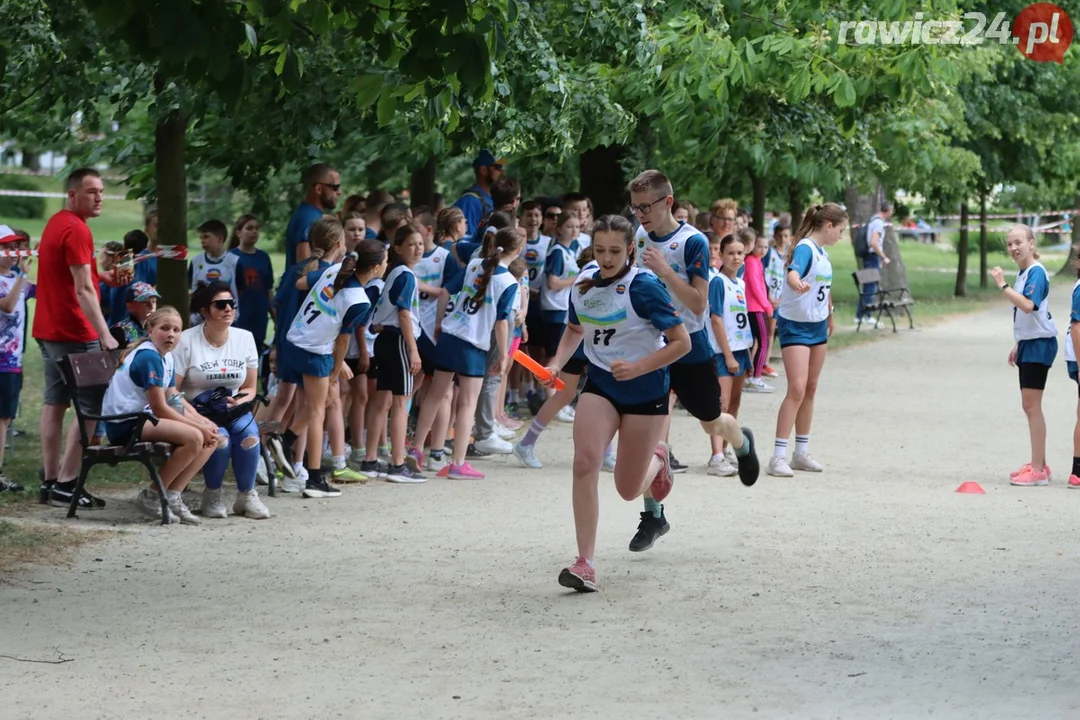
pixel 813 266
pixel 400 292
pixel 727 300
pixel 435 268
pixel 561 263
pixel 535 254
pixel 1034 332
pixel 374 290
pixel 774 274
pixel 143 368
pixel 624 320
pixel 472 319
pixel 205 269
pixel 328 312
pixel 687 252
pixel 1074 317
pixel 288 297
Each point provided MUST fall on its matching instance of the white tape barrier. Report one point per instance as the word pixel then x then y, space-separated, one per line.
pixel 173 252
pixel 35 193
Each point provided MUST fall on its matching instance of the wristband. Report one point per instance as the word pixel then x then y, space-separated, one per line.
pixel 1004 287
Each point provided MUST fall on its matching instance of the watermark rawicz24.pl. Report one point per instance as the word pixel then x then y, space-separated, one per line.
pixel 1042 31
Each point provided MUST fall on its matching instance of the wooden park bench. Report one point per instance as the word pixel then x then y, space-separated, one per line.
pixel 884 302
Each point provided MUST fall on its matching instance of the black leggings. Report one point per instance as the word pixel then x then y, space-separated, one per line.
pixel 761 338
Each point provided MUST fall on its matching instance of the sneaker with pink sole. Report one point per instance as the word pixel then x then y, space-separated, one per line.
pixel 1031 477
pixel 664 480
pixel 464 471
pixel 580 576
pixel 1074 482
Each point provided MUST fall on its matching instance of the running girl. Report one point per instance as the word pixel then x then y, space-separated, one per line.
pixel 804 326
pixel 622 314
pixel 1036 344
pixel 146 379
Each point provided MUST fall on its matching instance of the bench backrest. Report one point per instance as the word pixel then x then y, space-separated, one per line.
pixel 867 275
pixel 87 370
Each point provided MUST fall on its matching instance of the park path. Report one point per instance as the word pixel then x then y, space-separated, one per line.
pixel 870 591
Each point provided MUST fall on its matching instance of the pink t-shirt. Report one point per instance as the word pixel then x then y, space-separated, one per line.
pixel 757 296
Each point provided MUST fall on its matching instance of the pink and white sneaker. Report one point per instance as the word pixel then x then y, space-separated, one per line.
pixel 1074 482
pixel 465 471
pixel 664 480
pixel 445 472
pixel 414 458
pixel 580 576
pixel 1031 477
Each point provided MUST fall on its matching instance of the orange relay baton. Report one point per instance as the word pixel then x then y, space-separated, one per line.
pixel 537 369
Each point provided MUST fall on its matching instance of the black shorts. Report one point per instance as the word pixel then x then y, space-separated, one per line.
pixel 696 387
pixel 659 406
pixel 1033 375
pixel 553 333
pixel 575 366
pixel 392 355
pixel 534 323
pixel 353 364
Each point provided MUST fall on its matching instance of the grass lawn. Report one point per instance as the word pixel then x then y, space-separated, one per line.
pixel 118 217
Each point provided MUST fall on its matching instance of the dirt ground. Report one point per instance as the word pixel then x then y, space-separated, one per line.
pixel 869 591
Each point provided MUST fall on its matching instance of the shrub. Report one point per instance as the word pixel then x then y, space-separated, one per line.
pixel 21 208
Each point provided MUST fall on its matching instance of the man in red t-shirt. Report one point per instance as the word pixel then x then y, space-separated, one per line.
pixel 68 320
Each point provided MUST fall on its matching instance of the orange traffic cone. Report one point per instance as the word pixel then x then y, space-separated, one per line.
pixel 971 487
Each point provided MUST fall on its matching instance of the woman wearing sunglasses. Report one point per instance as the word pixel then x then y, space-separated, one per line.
pixel 217 368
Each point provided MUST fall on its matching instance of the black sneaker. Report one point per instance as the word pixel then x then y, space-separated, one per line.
pixel 676 467
pixel 373 468
pixel 45 489
pixel 9 485
pixel 60 496
pixel 535 401
pixel 648 530
pixel 749 466
pixel 403 474
pixel 472 453
pixel 320 489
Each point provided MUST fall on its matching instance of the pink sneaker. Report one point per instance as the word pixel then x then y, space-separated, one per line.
pixel 1023 468
pixel 509 423
pixel 1032 477
pixel 580 576
pixel 464 471
pixel 662 483
pixel 445 472
pixel 414 457
pixel 1074 482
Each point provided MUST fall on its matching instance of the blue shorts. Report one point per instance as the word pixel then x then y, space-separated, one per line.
pixel 1041 351
pixel 453 354
pixel 10 388
pixel 743 358
pixel 119 433
pixel 298 362
pixel 809 334
pixel 1073 369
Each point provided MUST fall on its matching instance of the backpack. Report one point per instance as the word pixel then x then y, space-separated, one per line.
pixel 861 242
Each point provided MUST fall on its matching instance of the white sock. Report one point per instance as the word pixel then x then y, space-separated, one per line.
pixel 339 462
pixel 780 448
pixel 802 443
pixel 716 458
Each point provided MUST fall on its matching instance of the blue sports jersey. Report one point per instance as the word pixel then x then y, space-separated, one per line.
pixel 254 279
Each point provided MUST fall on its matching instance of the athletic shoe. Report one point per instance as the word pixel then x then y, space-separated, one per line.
pixel 212 504
pixel 301 472
pixel 445 472
pixel 293 485
pixel 9 485
pixel 503 432
pixel 262 474
pixel 280 457
pixel 182 511
pixel 803 461
pixel 60 496
pixel 403 474
pixel 609 462
pixel 435 464
pixel 348 475
pixel 373 468
pixel 512 411
pixel 510 423
pixel 720 466
pixel 661 485
pixel 769 372
pixel 676 466
pixel 320 489
pixel 1074 482
pixel 464 471
pixel 250 505
pixel 1024 468
pixel 45 490
pixel 149 503
pixel 1032 478
pixel 580 576
pixel 778 467
pixel 494 445
pixel 757 385
pixel 384 453
pixel 526 455
pixel 357 456
pixel 649 530
pixel 749 466
pixel 414 458
pixel 535 401
pixel 474 453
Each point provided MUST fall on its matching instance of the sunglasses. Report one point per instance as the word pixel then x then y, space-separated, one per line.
pixel 333 186
pixel 552 215
pixel 222 304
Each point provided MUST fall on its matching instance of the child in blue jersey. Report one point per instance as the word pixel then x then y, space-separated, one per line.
pixel 1072 341
pixel 560 272
pixel 622 315
pixel 481 304
pixel 730 338
pixel 804 325
pixel 679 255
pixel 1036 344
pixel 254 280
pixel 335 307
pixel 145 381
pixel 397 321
pixel 775 279
pixel 214 263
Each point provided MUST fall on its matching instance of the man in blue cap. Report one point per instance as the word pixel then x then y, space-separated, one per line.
pixel 476 203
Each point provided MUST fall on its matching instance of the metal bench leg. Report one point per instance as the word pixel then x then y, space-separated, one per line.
pixel 84 470
pixel 162 495
pixel 911 320
pixel 271 476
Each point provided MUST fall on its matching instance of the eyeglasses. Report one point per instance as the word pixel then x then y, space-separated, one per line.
pixel 333 186
pixel 552 215
pixel 497 166
pixel 723 219
pixel 644 208
pixel 222 304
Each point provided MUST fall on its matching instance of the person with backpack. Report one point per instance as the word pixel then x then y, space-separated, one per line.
pixel 476 202
pixel 870 246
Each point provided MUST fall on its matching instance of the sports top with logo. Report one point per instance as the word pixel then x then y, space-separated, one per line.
pixel 730 295
pixel 205 269
pixel 624 319
pixel 1034 332
pixel 400 292
pixel 432 270
pixel 812 264
pixel 562 263
pixel 774 273
pixel 144 367
pixel 472 319
pixel 535 254
pixel 1074 317
pixel 327 313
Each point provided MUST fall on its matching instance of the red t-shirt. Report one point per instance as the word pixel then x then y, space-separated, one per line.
pixel 65 241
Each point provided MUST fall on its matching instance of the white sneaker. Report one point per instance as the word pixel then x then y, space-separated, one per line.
pixel 149 503
pixel 180 510
pixel 293 485
pixel 300 472
pixel 803 461
pixel 609 462
pixel 721 467
pixel 757 385
pixel 494 445
pixel 435 465
pixel 250 505
pixel 504 432
pixel 778 467
pixel 262 476
pixel 526 454
pixel 566 415
pixel 871 322
pixel 212 504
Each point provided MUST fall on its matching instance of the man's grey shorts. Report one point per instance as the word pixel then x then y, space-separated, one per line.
pixel 56 390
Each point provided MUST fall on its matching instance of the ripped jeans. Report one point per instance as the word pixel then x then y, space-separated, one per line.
pixel 242 447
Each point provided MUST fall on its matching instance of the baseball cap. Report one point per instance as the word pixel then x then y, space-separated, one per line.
pixel 7 235
pixel 141 292
pixel 485 158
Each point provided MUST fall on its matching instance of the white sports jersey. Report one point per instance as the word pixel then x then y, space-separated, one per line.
pixel 1070 351
pixel 813 305
pixel 534 254
pixel 205 270
pixel 735 318
pixel 674 251
pixel 1038 323
pixel 386 312
pixel 584 240
pixel 473 321
pixel 774 274
pixel 430 272
pixel 556 300
pixel 370 336
pixel 612 328
pixel 317 326
pixel 123 395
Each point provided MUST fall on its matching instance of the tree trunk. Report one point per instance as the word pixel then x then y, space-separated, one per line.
pixel 31 160
pixel 171 176
pixel 422 184
pixel 1074 238
pixel 961 265
pixel 758 184
pixel 795 204
pixel 984 242
pixel 860 208
pixel 602 179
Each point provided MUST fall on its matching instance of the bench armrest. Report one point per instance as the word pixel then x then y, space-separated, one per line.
pixel 144 416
